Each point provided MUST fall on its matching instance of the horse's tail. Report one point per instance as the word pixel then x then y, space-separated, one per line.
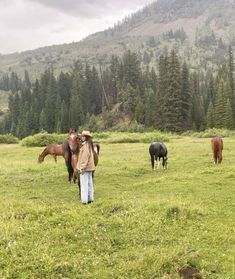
pixel 96 159
pixel 96 148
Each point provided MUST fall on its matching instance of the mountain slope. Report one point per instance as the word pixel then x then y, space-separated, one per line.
pixel 201 30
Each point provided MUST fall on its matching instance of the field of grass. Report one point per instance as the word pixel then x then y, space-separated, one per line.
pixel 142 224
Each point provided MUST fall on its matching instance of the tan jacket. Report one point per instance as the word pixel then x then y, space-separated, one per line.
pixel 85 159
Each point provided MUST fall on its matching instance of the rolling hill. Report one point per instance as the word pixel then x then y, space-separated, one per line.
pixel 201 30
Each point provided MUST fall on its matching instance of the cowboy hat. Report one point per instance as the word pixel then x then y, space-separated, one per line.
pixel 86 133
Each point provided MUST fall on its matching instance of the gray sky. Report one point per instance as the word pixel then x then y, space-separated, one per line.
pixel 29 24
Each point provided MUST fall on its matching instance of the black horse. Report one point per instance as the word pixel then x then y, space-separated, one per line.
pixel 158 150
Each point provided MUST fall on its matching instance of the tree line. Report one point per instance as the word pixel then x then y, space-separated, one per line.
pixel 173 98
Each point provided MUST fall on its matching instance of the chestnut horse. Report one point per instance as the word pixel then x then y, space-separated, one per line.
pixel 217 147
pixel 75 144
pixel 53 150
pixel 59 150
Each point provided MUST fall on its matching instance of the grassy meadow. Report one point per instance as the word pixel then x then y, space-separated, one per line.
pixel 143 224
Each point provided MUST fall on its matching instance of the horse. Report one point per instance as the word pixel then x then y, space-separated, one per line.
pixel 59 150
pixel 75 143
pixel 158 150
pixel 53 150
pixel 67 154
pixel 217 147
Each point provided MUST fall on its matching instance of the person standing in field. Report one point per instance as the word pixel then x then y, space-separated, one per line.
pixel 85 167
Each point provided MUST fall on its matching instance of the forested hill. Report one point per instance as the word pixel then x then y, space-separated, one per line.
pixel 200 29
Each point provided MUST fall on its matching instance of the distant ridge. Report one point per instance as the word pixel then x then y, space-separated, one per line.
pixel 201 31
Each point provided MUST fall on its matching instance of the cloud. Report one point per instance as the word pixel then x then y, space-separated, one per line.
pixel 29 24
pixel 91 8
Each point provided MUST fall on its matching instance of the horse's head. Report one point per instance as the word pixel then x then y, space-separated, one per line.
pixel 40 159
pixel 74 141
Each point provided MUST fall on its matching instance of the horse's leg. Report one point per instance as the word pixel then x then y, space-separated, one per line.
pixel 70 172
pixel 157 161
pixel 55 158
pixel 216 156
pixel 152 161
pixel 220 156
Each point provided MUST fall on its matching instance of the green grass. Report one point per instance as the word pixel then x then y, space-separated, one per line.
pixel 143 224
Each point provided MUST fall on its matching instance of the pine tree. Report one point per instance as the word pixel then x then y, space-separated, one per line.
pixel 42 121
pixel 229 122
pixel 210 116
pixel 173 105
pixel 185 98
pixel 50 103
pixel 140 111
pixel 231 72
pixel 64 121
pixel 162 89
pixel 220 105
pixel 76 109
pixel 197 112
pixel 131 69
pixel 151 113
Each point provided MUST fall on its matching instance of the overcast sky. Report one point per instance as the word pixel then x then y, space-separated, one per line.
pixel 29 24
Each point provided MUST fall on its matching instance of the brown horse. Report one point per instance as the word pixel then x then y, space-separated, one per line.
pixel 217 148
pixel 75 143
pixel 53 150
pixel 59 150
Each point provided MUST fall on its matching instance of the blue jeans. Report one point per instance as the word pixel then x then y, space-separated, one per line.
pixel 86 184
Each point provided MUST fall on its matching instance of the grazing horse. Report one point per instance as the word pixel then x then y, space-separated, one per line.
pixel 75 144
pixel 61 150
pixel 158 150
pixel 52 149
pixel 217 147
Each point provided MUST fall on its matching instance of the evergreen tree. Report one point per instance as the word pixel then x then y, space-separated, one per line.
pixel 210 116
pixel 173 105
pixel 127 97
pixel 64 121
pixel 220 105
pixel 231 73
pixel 185 98
pixel 197 112
pixel 50 103
pixel 163 83
pixel 42 121
pixel 76 110
pixel 229 122
pixel 131 69
pixel 140 111
pixel 151 115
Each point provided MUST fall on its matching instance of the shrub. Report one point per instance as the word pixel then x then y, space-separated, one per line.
pixel 209 133
pixel 121 137
pixel 130 127
pixel 43 139
pixel 8 138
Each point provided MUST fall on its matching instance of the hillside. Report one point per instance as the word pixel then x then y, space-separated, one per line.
pixel 4 95
pixel 201 30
